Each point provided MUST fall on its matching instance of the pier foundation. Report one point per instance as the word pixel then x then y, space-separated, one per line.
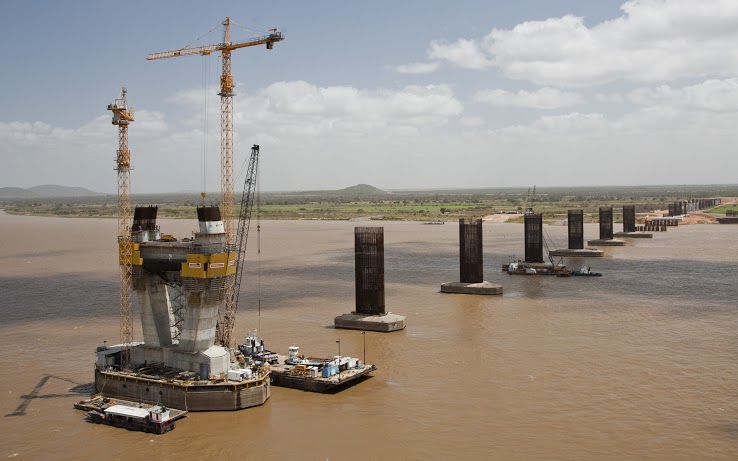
pixel 629 225
pixel 369 275
pixel 606 235
pixel 575 223
pixel 471 263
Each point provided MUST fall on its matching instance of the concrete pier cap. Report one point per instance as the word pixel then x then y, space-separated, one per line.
pixel 607 242
pixel 383 323
pixel 481 288
pixel 579 253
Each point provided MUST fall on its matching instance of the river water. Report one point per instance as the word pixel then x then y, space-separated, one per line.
pixel 637 364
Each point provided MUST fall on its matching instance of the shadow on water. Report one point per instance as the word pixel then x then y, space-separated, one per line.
pixel 75 391
pixel 728 428
pixel 68 296
pixel 683 281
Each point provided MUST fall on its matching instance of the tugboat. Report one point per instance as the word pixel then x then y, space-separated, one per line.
pixel 587 271
pixel 254 348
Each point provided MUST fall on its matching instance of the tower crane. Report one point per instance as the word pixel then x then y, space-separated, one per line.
pixel 226 108
pixel 226 134
pixel 123 116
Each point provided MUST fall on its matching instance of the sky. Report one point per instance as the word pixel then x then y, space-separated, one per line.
pixel 400 95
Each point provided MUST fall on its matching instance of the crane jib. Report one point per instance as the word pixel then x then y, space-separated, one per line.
pixel 207 49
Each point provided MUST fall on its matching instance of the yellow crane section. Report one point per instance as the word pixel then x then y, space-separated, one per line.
pixel 123 116
pixel 226 102
pixel 267 40
pixel 226 134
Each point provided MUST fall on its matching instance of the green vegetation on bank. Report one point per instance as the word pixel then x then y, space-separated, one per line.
pixel 366 202
pixel 723 208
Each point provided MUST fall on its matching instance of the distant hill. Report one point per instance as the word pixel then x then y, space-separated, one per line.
pixel 16 192
pixel 47 190
pixel 360 189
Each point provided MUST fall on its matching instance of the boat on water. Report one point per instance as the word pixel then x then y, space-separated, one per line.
pixel 587 272
pixel 156 419
pixel 254 348
pixel 526 268
pixel 305 373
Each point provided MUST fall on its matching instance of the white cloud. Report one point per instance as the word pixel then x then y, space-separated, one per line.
pixel 609 98
pixel 471 122
pixel 710 95
pixel 653 40
pixel 543 98
pixel 464 53
pixel 418 67
pixel 308 110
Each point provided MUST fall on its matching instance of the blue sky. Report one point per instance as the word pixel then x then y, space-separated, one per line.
pixel 407 94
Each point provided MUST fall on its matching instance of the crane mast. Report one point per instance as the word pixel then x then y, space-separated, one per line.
pixel 244 223
pixel 225 325
pixel 123 116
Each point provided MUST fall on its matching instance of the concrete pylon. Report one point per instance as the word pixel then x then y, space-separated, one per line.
pixel 575 224
pixel 369 279
pixel 606 229
pixel 471 267
pixel 533 237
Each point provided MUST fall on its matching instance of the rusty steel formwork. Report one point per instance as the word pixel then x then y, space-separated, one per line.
pixel 369 253
pixel 575 221
pixel 144 218
pixel 672 209
pixel 606 223
pixel 208 213
pixel 470 251
pixel 629 218
pixel 534 237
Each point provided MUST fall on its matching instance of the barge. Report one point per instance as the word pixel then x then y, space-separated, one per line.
pixel 156 419
pixel 529 268
pixel 308 374
pixel 154 382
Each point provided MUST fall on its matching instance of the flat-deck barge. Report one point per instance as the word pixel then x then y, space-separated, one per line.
pixel 305 373
pixel 127 414
pixel 291 376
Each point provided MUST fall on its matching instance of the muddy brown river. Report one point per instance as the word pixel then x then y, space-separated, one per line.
pixel 638 364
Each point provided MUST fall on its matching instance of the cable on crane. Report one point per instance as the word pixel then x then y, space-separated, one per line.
pixel 205 124
pixel 253 32
pixel 200 37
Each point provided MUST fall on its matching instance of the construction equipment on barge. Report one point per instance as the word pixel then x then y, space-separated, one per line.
pixel 226 315
pixel 156 419
pixel 182 287
pixel 311 374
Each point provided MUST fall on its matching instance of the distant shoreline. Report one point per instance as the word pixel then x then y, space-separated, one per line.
pixel 420 207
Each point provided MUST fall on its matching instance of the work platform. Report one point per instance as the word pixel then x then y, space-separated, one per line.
pixel 482 288
pixel 606 242
pixel 581 253
pixel 382 323
pixel 633 235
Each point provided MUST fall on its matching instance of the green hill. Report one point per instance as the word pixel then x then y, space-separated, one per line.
pixel 53 190
pixel 16 192
pixel 360 189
